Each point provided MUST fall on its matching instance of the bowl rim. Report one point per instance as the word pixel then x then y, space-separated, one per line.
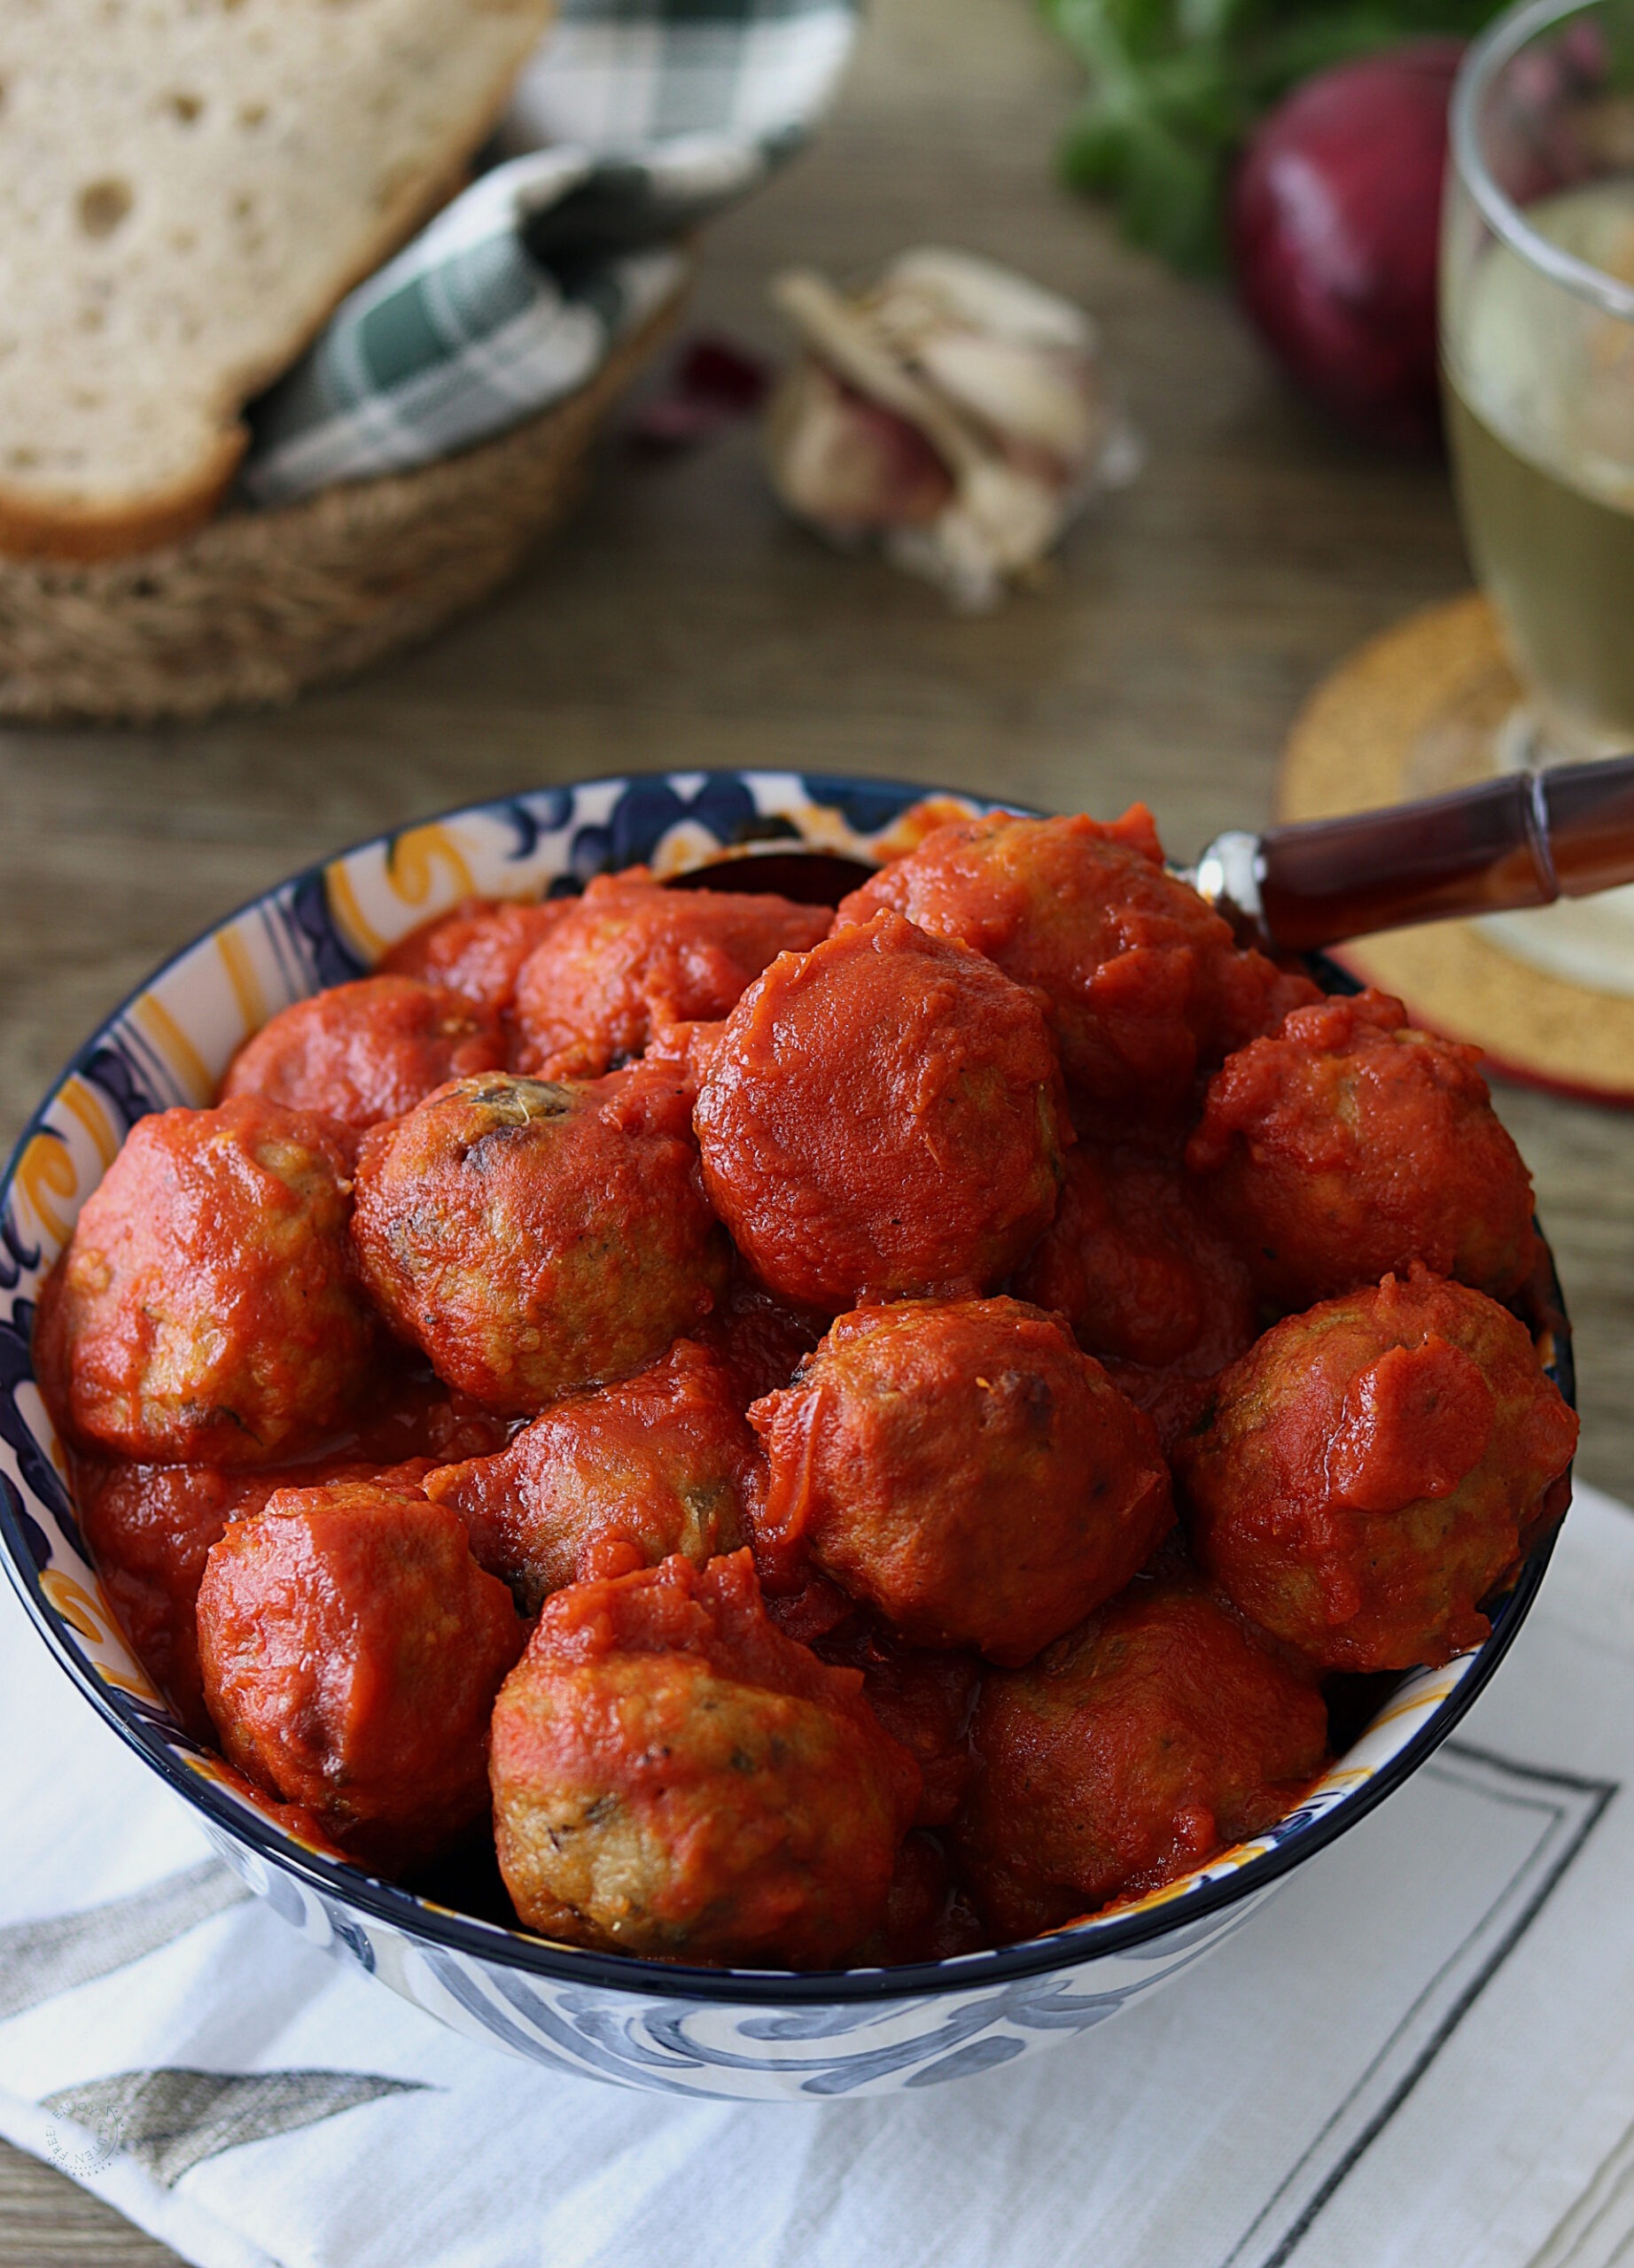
pixel 403 1911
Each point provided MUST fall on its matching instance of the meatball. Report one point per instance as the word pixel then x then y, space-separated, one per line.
pixel 533 1239
pixel 923 1698
pixel 205 1310
pixel 1158 1733
pixel 884 1117
pixel 1369 1469
pixel 1348 1145
pixel 364 1051
pixel 605 1483
pixel 963 1467
pixel 630 955
pixel 1142 979
pixel 150 1529
pixel 352 1648
pixel 478 950
pixel 1137 1270
pixel 675 1778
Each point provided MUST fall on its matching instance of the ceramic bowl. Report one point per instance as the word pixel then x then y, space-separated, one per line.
pixel 688 2031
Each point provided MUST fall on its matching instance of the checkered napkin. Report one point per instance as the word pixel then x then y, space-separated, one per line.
pixel 633 121
pixel 1421 2051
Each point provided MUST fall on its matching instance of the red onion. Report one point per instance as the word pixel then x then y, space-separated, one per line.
pixel 1334 216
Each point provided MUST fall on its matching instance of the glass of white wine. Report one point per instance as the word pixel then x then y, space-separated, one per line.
pixel 1537 352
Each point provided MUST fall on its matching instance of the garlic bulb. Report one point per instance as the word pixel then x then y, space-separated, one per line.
pixel 953 408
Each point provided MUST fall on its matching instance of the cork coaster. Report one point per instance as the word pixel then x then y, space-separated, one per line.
pixel 1414 712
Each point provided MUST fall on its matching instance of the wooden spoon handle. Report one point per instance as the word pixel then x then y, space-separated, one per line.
pixel 1522 840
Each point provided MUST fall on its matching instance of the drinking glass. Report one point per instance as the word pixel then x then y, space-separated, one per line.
pixel 1538 353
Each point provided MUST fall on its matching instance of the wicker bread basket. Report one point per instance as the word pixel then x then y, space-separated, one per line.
pixel 256 605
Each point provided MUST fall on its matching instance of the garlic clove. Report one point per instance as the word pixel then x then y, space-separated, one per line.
pixel 998 527
pixel 848 464
pixel 959 570
pixel 1011 518
pixel 845 335
pixel 1036 396
pixel 984 296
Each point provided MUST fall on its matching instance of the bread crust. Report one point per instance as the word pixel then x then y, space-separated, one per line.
pixel 66 527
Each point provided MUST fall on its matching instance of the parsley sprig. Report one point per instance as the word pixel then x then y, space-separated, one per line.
pixel 1175 86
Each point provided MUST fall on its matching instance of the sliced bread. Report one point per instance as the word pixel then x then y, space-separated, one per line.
pixel 186 188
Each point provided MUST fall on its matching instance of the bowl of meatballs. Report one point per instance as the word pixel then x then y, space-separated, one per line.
pixel 770 1436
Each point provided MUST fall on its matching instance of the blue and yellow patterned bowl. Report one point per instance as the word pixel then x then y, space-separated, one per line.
pixel 711 2032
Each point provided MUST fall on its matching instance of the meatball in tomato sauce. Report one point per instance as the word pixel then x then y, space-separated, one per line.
pixel 761 1338
pixel 965 1469
pixel 1348 1146
pixel 631 956
pixel 1149 1286
pixel 365 1051
pixel 1136 1268
pixel 205 1311
pixel 923 1696
pixel 1129 1753
pixel 607 1482
pixel 882 1117
pixel 151 1527
pixel 352 1648
pixel 534 1238
pixel 478 950
pixel 1368 1471
pixel 673 1777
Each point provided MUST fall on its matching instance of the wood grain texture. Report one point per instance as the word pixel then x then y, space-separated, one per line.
pixel 47 2222
pixel 681 620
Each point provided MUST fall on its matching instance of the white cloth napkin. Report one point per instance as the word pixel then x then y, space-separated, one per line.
pixel 1422 2051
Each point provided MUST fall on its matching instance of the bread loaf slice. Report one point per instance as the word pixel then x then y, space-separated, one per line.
pixel 187 187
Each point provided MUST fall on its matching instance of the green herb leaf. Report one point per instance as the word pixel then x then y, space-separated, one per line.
pixel 1176 86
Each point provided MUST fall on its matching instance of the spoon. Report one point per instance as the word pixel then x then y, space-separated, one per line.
pixel 1525 839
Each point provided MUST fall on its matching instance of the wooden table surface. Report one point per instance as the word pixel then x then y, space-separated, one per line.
pixel 681 621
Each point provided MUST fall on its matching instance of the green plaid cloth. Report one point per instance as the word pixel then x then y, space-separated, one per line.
pixel 635 120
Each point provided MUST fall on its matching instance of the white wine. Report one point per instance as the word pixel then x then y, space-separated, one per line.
pixel 1541 418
